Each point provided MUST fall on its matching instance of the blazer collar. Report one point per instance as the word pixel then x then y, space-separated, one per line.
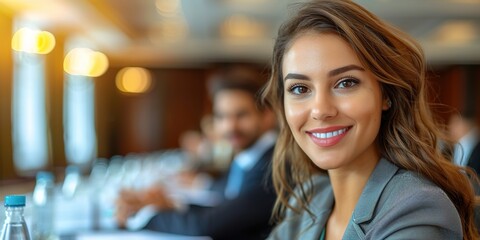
pixel 381 175
pixel 323 199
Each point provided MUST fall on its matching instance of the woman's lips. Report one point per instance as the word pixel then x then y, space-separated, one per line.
pixel 327 137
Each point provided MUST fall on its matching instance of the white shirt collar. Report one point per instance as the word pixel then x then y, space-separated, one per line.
pixel 465 146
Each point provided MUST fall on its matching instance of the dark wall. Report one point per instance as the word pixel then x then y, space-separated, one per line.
pixel 6 66
pixel 455 89
pixel 150 121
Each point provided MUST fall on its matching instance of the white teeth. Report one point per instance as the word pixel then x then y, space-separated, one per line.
pixel 329 134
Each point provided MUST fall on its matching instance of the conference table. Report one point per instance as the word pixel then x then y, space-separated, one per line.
pixel 128 235
pixel 84 206
pixel 89 215
pixel 81 217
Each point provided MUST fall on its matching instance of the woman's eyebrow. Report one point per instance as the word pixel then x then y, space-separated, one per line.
pixel 296 76
pixel 347 68
pixel 332 73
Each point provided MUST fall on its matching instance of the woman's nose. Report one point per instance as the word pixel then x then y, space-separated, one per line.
pixel 323 107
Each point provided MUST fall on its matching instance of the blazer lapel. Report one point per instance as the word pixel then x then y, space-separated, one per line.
pixel 381 175
pixel 323 199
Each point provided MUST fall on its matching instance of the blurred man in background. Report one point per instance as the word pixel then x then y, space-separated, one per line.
pixel 247 192
pixel 464 132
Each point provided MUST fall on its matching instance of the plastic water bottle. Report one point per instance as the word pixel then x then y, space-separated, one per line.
pixel 71 182
pixel 43 207
pixel 14 227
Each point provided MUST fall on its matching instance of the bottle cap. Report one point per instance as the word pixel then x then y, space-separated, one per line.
pixel 44 175
pixel 15 201
pixel 72 169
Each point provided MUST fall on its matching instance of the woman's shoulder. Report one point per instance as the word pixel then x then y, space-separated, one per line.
pixel 414 205
pixel 407 185
pixel 400 185
pixel 408 189
pixel 402 204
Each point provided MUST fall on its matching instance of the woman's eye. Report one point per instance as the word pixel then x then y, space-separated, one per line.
pixel 347 83
pixel 298 89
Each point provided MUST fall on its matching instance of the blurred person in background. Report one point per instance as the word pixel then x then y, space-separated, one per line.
pixel 217 148
pixel 464 132
pixel 208 152
pixel 191 142
pixel 195 149
pixel 248 194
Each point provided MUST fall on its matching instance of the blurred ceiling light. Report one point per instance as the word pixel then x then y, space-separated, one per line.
pixel 168 7
pixel 85 62
pixel 466 1
pixel 245 2
pixel 456 32
pixel 133 80
pixel 240 26
pixel 172 29
pixel 33 41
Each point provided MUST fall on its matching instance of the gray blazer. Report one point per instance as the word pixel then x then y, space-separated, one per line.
pixel 395 204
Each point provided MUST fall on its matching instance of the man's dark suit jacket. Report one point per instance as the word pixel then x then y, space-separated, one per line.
pixel 245 217
pixel 474 159
pixel 474 163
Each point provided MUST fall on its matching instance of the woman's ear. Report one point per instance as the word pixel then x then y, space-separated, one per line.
pixel 387 104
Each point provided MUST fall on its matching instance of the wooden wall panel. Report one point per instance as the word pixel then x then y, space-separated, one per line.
pixel 184 98
pixel 446 91
pixel 450 88
pixel 6 72
pixel 151 121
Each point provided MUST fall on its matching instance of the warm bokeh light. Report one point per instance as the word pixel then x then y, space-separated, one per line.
pixel 456 32
pixel 169 30
pixel 100 64
pixel 133 80
pixel 247 2
pixel 85 62
pixel 168 7
pixel 241 26
pixel 33 41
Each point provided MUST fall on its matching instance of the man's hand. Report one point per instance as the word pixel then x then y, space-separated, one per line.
pixel 130 202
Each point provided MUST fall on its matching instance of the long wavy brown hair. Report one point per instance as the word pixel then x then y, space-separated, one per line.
pixel 409 136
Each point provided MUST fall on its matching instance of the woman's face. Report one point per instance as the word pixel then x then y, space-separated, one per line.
pixel 333 104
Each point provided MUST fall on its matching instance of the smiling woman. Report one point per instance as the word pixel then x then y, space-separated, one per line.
pixel 334 109
pixel 358 157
